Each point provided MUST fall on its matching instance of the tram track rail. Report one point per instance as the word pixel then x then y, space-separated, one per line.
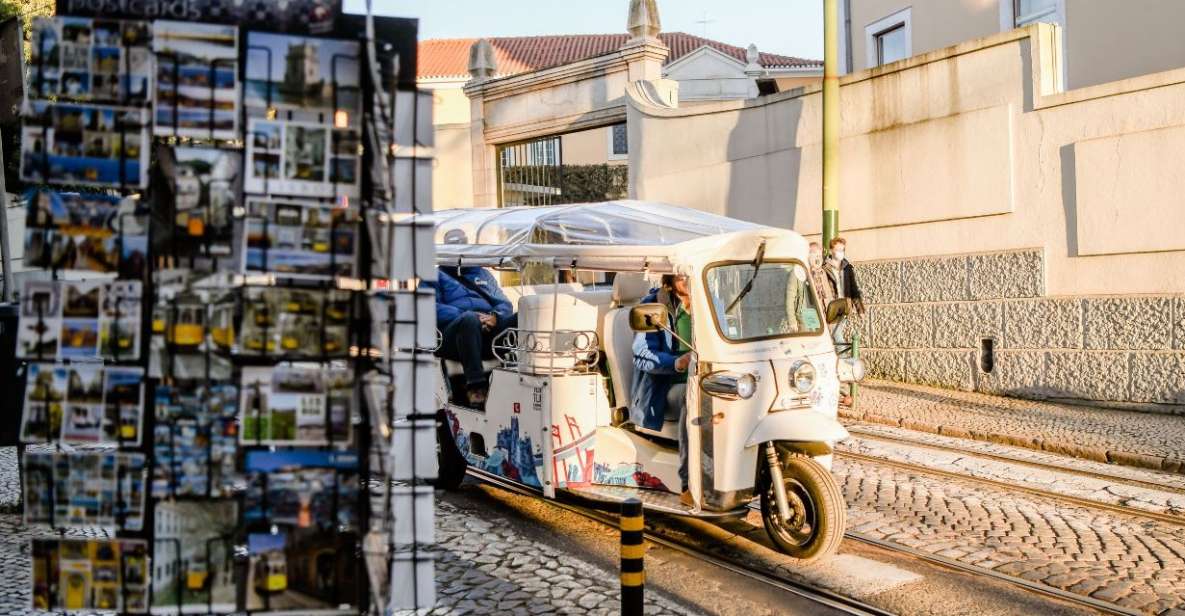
pixel 820 596
pixel 863 435
pixel 1034 587
pixel 823 596
pixel 950 563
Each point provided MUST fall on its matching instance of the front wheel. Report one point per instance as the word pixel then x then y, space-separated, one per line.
pixel 819 513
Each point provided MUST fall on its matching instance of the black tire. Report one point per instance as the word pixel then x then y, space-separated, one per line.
pixel 452 465
pixel 820 513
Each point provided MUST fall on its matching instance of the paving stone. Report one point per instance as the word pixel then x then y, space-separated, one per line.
pixel 918 506
pixel 491 579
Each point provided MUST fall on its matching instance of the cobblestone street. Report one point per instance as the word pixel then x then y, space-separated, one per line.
pixel 1136 563
pixel 484 566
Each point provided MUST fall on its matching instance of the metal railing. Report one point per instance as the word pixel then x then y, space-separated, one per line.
pixel 548 352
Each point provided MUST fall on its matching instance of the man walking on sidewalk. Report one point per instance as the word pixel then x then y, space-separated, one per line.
pixel 841 277
pixel 841 281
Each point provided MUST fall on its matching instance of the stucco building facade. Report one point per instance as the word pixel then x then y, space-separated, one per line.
pixel 1102 41
pixel 1013 236
pixel 706 71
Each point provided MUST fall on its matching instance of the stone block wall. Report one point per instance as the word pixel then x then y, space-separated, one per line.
pixel 927 318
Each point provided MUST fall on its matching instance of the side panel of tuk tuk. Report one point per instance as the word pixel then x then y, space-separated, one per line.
pixel 517 435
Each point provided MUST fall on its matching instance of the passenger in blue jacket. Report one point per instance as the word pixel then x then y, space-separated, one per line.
pixel 658 392
pixel 471 310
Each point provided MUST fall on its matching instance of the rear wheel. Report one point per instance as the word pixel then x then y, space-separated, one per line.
pixel 451 463
pixel 818 511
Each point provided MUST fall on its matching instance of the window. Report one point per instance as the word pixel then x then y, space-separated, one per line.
pixel 1025 12
pixel 891 45
pixel 890 39
pixel 619 142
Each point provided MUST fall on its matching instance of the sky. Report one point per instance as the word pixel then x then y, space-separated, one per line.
pixel 789 27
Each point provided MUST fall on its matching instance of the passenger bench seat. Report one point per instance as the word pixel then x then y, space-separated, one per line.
pixel 618 339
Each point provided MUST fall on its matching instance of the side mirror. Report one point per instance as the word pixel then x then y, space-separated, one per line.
pixel 838 309
pixel 646 318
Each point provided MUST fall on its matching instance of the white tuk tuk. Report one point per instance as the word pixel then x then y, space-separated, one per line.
pixel 762 390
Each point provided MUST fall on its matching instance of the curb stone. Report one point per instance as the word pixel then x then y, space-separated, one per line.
pixel 1096 454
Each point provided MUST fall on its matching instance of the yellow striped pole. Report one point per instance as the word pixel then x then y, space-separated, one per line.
pixel 633 573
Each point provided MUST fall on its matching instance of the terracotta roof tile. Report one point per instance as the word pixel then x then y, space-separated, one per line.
pixel 442 58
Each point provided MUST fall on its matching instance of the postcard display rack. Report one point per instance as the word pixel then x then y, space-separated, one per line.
pixel 229 355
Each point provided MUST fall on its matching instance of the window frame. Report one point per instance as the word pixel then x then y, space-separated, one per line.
pixel 613 155
pixel 902 19
pixel 824 327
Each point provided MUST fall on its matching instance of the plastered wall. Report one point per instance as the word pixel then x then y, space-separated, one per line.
pixel 983 200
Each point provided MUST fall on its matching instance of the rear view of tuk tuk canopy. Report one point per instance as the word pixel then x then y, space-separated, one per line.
pixel 616 235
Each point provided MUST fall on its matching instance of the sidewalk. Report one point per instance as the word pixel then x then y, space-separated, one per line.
pixel 1143 440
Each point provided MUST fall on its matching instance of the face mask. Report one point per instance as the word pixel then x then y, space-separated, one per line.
pixel 839 254
pixel 816 259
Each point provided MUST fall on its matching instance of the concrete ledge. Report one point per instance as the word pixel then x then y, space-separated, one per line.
pixel 1085 452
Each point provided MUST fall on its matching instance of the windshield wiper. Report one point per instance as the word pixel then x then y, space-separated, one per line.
pixel 757 261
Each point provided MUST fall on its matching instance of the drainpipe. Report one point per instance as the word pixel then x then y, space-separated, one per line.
pixel 830 120
pixel 5 259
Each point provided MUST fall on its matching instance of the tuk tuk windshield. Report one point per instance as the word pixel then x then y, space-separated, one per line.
pixel 781 301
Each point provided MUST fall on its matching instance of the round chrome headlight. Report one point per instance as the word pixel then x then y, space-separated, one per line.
pixel 746 386
pixel 802 376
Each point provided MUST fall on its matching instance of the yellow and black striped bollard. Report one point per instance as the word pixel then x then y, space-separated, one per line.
pixel 633 574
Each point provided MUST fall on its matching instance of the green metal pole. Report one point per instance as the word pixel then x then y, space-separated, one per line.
pixel 830 121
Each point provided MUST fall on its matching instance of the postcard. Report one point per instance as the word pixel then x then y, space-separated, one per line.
pixel 303 79
pixel 205 187
pixel 40 320
pixel 98 60
pixel 85 232
pixel 295 323
pixel 85 489
pixel 302 159
pixel 289 405
pixel 197 92
pixel 83 404
pixel 299 239
pixel 80 320
pixel 194 545
pixel 196 440
pixel 45 399
pixel 90 574
pixel 85 145
pixel 296 570
pixel 302 488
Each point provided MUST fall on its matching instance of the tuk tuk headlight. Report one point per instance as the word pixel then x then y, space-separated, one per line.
pixel 802 376
pixel 729 385
pixel 746 386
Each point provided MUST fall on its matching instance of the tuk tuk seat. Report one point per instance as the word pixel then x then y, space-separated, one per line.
pixel 628 290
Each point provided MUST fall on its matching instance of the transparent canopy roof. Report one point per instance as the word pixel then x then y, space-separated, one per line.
pixel 615 223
